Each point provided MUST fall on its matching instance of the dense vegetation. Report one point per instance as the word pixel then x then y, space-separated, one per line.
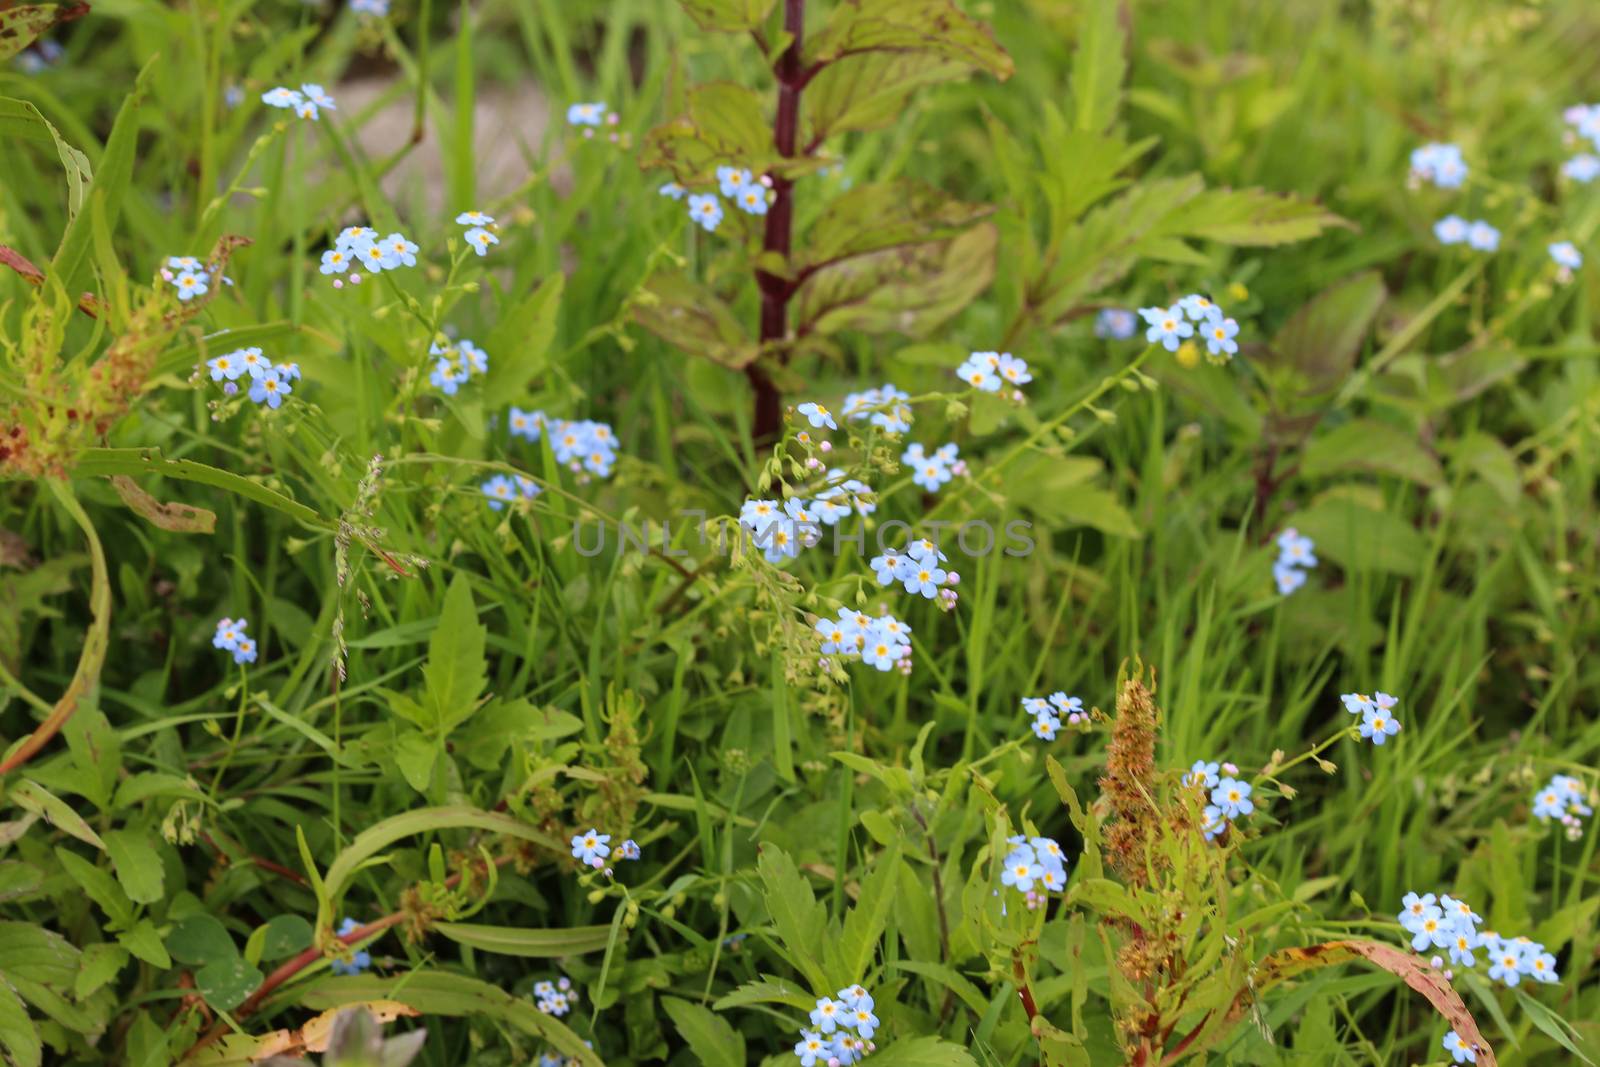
pixel 778 531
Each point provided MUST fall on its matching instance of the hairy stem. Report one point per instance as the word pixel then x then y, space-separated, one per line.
pixel 777 291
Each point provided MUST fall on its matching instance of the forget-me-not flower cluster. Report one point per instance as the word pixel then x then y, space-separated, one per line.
pixel 1194 316
pixel 1035 867
pixel 881 641
pixel 918 569
pixel 883 407
pixel 359 960
pixel 1049 712
pixel 1440 164
pixel 480 232
pixel 557 997
pixel 842 1028
pixel 188 276
pixel 231 637
pixel 359 248
pixel 1296 555
pixel 583 445
pixel 989 372
pixel 932 470
pixel 1564 799
pixel 1115 324
pixel 1378 722
pixel 503 489
pixel 1479 234
pixel 454 363
pixel 1448 926
pixel 308 101
pixel 268 382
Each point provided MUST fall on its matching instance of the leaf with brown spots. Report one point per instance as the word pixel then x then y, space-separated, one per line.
pixel 178 518
pixel 1287 963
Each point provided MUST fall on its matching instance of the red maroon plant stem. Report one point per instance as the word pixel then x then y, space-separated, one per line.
pixel 776 291
pixel 294 966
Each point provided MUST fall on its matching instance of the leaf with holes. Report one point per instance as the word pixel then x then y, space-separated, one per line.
pixel 856 27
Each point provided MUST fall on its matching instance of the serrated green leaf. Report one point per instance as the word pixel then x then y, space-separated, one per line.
pixel 708 1035
pixel 416 755
pixel 1252 217
pixel 767 991
pixel 138 865
pixel 911 291
pixel 1098 65
pixel 923 1052
pixel 100 885
pixel 866 919
pixel 935 27
pixel 871 218
pixel 18 1037
pixel 728 16
pixel 799 919
pixel 724 125
pixel 690 317
pixel 456 671
pixel 869 91
pixel 100 966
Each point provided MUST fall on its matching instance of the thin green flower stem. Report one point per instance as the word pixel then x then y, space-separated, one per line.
pixel 238 730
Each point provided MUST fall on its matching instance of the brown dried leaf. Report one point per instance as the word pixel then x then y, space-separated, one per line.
pixel 178 518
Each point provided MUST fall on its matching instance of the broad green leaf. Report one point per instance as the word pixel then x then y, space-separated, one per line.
pixel 110 185
pixel 456 669
pixel 416 754
pixel 768 991
pixel 912 290
pixel 1370 445
pixel 799 919
pixel 18 1037
pixel 99 884
pixel 728 16
pixel 226 982
pixel 200 938
pixel 866 919
pixel 438 993
pixel 145 943
pixel 31 796
pixel 285 935
pixel 923 1052
pixel 1098 65
pixel 690 317
pixel 43 957
pixel 935 27
pixel 725 126
pixel 523 941
pixel 519 345
pixel 100 966
pixel 1359 538
pixel 868 91
pixel 1251 217
pixel 708 1035
pixel 138 865
pixel 21 121
pixel 18 879
pixel 1323 337
pixel 884 215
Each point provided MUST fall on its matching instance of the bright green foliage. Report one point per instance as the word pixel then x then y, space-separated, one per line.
pixel 444 694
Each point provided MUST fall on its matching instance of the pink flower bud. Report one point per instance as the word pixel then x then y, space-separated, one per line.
pixel 338 283
pixel 355 279
pixel 952 578
pixel 827 446
pixel 1230 768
